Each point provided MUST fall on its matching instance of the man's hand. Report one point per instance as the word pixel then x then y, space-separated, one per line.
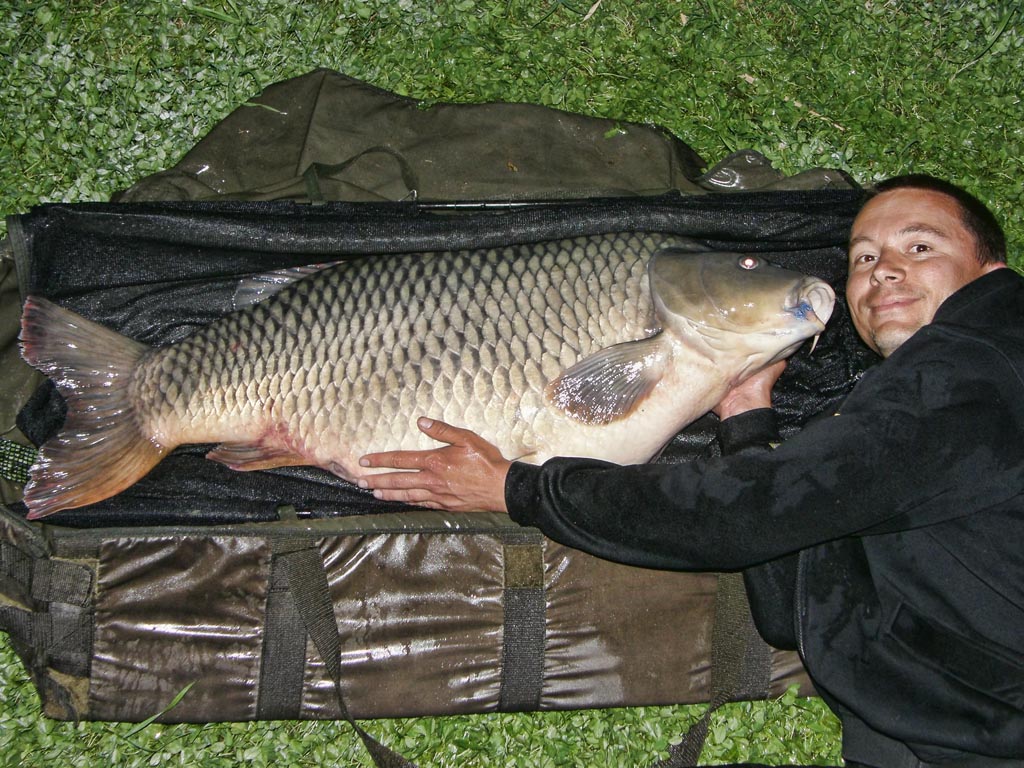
pixel 465 476
pixel 751 393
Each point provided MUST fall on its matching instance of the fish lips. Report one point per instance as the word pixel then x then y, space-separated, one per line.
pixel 813 302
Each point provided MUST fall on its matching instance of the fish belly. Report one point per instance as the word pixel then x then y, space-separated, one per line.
pixel 343 362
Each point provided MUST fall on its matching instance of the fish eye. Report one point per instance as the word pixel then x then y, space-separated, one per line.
pixel 749 262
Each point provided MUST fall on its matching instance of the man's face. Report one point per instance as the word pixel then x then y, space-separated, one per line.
pixel 909 251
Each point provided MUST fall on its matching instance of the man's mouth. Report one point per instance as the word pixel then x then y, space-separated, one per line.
pixel 891 304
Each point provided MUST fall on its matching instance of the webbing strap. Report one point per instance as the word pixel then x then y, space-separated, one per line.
pixel 284 652
pixel 51 609
pixel 16 565
pixel 740 666
pixel 61 581
pixel 17 619
pixel 307 583
pixel 524 627
pixel 62 634
pixel 17 622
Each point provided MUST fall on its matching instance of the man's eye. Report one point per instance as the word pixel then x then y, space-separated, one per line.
pixel 864 258
pixel 919 248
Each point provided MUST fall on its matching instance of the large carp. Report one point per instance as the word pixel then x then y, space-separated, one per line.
pixel 601 346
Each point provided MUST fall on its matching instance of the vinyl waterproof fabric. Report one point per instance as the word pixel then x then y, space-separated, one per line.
pixel 423 609
pixel 182 579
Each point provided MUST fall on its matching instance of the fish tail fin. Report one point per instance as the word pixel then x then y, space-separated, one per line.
pixel 101 448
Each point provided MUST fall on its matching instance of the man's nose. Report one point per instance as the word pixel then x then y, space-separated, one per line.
pixel 889 268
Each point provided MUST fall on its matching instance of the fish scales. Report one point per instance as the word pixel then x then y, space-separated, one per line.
pixel 330 361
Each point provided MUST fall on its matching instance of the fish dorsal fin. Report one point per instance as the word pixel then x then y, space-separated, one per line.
pixel 254 289
pixel 609 384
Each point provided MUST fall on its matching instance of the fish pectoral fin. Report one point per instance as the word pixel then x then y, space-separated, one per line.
pixel 610 384
pixel 245 457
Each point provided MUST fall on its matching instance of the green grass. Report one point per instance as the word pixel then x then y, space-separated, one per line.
pixel 95 95
pixel 98 94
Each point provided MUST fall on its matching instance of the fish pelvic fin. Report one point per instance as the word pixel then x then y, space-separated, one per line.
pixel 101 448
pixel 245 457
pixel 610 384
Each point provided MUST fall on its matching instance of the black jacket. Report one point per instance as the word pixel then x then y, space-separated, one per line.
pixel 892 532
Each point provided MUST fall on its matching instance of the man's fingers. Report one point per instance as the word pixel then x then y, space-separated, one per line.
pixel 439 430
pixel 406 495
pixel 443 432
pixel 391 480
pixel 395 459
pixel 407 487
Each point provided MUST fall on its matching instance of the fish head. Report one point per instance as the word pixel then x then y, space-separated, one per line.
pixel 737 305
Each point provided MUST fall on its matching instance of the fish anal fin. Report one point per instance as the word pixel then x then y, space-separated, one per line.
pixel 610 384
pixel 246 457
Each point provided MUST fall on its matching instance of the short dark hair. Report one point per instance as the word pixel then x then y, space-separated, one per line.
pixel 989 238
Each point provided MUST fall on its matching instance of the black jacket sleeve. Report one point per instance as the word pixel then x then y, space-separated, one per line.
pixel 755 430
pixel 716 514
pixel 912 439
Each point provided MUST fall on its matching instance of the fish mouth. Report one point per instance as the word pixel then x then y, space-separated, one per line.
pixel 814 304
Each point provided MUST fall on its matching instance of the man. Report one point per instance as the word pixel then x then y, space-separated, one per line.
pixel 886 542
